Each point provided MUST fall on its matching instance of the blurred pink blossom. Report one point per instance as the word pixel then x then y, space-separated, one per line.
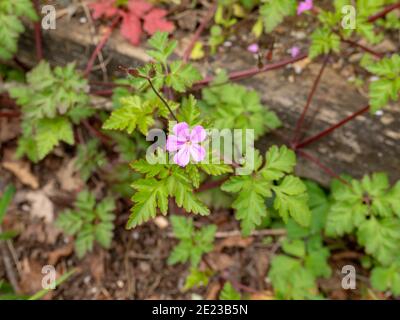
pixel 305 5
pixel 294 51
pixel 253 48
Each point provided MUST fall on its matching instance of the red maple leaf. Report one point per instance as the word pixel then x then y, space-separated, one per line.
pixel 131 28
pixel 132 16
pixel 106 8
pixel 139 7
pixel 155 21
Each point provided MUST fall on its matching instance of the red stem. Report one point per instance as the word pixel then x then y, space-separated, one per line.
pixel 366 49
pixel 198 32
pixel 9 114
pixel 211 185
pixel 102 93
pixel 384 12
pixel 329 171
pixel 103 138
pixel 237 75
pixel 100 45
pixel 330 129
pixel 38 33
pixel 300 122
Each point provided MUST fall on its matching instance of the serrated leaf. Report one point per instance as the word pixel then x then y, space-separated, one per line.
pixel 229 293
pixel 381 238
pixel 292 200
pixel 273 12
pixel 323 42
pixel 132 113
pixel 182 76
pixel 250 203
pixel 50 132
pixel 279 161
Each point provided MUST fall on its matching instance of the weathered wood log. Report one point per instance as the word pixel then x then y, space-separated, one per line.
pixel 367 144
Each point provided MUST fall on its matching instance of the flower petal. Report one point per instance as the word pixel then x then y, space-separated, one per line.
pixel 174 143
pixel 197 152
pixel 182 157
pixel 181 130
pixel 198 134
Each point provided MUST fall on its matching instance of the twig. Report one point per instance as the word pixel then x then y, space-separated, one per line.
pixel 161 98
pixel 211 185
pixel 255 233
pixel 38 33
pixel 319 164
pixel 9 267
pixel 103 138
pixel 331 129
pixel 384 12
pixel 199 30
pixel 9 114
pixel 101 44
pixel 242 74
pixel 300 122
pixel 365 48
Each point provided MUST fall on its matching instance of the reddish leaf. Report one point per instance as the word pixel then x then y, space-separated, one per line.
pixel 139 7
pixel 155 21
pixel 106 8
pixel 131 28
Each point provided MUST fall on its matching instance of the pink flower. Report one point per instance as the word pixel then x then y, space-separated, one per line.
pixel 294 51
pixel 253 48
pixel 305 5
pixel 185 143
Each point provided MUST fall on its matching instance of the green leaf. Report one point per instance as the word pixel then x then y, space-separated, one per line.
pixel 381 238
pixel 323 42
pixel 150 194
pixel 162 47
pixel 103 233
pixel 273 12
pixel 5 201
pixel 193 244
pixel 291 280
pixel 295 248
pixel 71 222
pixel 182 76
pixel 279 161
pixel 11 26
pixel 232 106
pixel 84 240
pixel 50 132
pixel 89 158
pixel 132 113
pixel 183 228
pixel 189 112
pixel 250 203
pixel 387 278
pixel 228 292
pixel 387 87
pixel 197 278
pixel 292 200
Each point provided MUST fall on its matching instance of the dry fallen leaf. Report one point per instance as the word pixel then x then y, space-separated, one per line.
pixel 235 241
pixel 299 66
pixel 23 172
pixel 262 295
pixel 9 129
pixel 212 291
pixel 68 178
pixel 220 261
pixel 41 205
pixel 58 253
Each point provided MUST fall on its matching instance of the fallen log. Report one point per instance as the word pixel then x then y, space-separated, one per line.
pixel 367 144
